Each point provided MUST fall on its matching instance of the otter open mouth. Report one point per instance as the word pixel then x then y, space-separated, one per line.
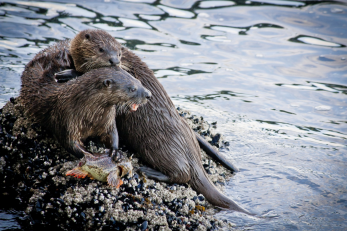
pixel 134 107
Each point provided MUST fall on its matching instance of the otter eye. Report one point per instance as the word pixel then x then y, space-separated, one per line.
pixel 87 36
pixel 101 50
pixel 132 89
pixel 108 82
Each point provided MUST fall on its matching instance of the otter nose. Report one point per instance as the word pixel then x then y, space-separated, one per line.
pixel 148 94
pixel 114 61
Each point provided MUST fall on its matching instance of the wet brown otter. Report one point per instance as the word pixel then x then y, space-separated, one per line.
pixel 164 140
pixel 90 49
pixel 83 107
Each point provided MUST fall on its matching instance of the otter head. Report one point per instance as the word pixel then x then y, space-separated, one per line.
pixel 92 48
pixel 121 89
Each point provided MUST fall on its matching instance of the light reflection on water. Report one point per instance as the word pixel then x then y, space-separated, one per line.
pixel 271 73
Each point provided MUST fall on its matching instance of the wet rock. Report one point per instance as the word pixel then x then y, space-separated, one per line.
pixel 32 175
pixel 144 226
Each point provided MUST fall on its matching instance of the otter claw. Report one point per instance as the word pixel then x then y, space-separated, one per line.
pixel 117 156
pixel 66 75
pixel 112 152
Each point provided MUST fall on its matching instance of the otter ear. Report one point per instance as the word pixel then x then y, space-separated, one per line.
pixel 87 36
pixel 108 82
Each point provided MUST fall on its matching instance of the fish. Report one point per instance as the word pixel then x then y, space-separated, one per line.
pixel 104 168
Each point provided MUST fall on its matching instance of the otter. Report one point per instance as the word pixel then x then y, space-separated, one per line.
pixel 163 139
pixel 94 48
pixel 89 49
pixel 83 107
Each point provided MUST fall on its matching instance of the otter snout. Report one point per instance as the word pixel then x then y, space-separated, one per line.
pixel 141 92
pixel 114 61
pixel 147 94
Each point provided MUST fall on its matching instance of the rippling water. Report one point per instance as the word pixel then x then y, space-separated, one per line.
pixel 272 73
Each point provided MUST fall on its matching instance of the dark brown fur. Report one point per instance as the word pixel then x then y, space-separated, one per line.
pixel 82 107
pixel 81 53
pixel 164 139
pixel 91 49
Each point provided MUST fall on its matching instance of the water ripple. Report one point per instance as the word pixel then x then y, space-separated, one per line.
pixel 55 9
pixel 213 4
pixel 121 9
pixel 176 13
pixel 315 86
pixel 314 41
pixel 280 2
pixel 134 23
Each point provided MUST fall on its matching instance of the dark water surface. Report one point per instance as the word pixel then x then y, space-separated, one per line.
pixel 272 73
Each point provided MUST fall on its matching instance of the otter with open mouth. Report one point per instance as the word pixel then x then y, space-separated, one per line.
pixel 83 107
pixel 160 136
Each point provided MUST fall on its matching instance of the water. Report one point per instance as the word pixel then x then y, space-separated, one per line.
pixel 8 220
pixel 272 73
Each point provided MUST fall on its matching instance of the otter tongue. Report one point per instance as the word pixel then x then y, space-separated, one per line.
pixel 134 107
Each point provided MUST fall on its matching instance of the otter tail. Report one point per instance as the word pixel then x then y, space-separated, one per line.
pixel 202 184
pixel 207 147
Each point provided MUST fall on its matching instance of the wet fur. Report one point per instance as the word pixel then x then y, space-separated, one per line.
pixel 80 108
pixel 164 139
pixel 85 50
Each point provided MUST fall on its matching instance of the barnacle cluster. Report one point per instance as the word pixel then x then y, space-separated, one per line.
pixel 32 176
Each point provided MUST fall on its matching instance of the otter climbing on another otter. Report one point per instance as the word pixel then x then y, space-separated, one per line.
pixel 89 49
pixel 93 48
pixel 83 107
pixel 163 139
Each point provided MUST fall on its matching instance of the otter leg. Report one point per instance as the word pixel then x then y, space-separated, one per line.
pixel 78 151
pixel 207 147
pixel 154 174
pixel 66 75
pixel 114 140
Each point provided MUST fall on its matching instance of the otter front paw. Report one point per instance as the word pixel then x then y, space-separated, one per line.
pixel 66 75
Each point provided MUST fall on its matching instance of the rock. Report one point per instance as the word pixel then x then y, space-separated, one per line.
pixel 32 175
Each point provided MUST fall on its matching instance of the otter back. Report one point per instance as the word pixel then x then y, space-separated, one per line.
pixel 164 139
